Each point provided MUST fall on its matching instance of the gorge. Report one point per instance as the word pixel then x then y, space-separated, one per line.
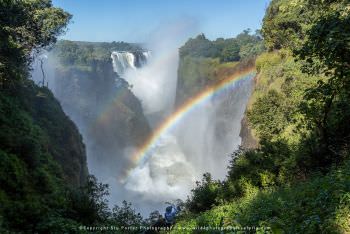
pixel 240 134
pixel 120 99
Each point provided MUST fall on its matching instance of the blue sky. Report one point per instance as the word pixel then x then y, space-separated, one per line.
pixel 135 20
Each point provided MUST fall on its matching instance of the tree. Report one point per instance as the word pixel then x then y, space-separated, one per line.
pixel 126 216
pixel 89 204
pixel 268 116
pixel 153 217
pixel 26 27
pixel 282 24
pixel 204 195
pixel 326 51
pixel 199 47
pixel 317 33
pixel 230 53
pixel 251 50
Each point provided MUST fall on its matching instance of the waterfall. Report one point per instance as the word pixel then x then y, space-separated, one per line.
pixel 125 60
pixel 201 142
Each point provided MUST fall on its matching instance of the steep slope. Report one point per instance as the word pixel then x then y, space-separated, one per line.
pixel 41 154
pixel 44 186
pixel 268 187
pixel 102 104
pixel 297 179
pixel 204 63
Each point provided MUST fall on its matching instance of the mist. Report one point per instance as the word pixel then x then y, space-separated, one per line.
pixel 201 142
pixel 155 84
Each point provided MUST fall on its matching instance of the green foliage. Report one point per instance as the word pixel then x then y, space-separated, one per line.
pixel 227 50
pixel 262 168
pixel 204 196
pixel 251 50
pixel 307 207
pixel 204 62
pixel 41 150
pixel 287 23
pixel 266 108
pixel 33 194
pixel 282 24
pixel 326 51
pixel 317 33
pixel 274 107
pixel 85 55
pixel 297 180
pixel 26 26
pixel 230 53
pixel 266 61
pixel 37 142
pixel 126 216
pixel 89 200
pixel 319 205
pixel 199 47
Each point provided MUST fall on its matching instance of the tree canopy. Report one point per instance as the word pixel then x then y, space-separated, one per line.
pixel 26 26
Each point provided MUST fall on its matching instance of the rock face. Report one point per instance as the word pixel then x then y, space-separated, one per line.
pixel 248 140
pixel 107 113
pixel 195 74
pixel 68 150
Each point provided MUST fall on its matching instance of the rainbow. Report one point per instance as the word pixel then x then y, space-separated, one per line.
pixel 143 152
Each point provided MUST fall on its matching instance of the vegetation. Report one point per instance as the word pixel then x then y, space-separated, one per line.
pixel 204 62
pixel 228 50
pixel 85 84
pixel 26 26
pixel 297 180
pixel 44 185
pixel 43 161
pixel 85 55
pixel 318 205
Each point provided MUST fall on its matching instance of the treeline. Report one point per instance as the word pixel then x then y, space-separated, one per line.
pixel 204 63
pixel 297 180
pixel 85 54
pixel 244 45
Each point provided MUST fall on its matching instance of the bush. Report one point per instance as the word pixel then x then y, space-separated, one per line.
pixel 204 196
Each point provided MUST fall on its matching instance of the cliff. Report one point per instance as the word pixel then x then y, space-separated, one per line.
pixel 248 140
pixel 42 157
pixel 35 130
pixel 204 62
pixel 102 104
pixel 195 74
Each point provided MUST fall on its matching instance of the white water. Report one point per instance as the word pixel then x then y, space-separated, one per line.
pixel 124 60
pixel 201 142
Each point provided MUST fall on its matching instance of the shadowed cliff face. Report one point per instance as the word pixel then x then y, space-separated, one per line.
pixel 108 114
pixel 101 104
pixel 248 140
pixel 35 130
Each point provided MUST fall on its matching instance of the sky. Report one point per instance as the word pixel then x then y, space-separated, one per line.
pixel 135 20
